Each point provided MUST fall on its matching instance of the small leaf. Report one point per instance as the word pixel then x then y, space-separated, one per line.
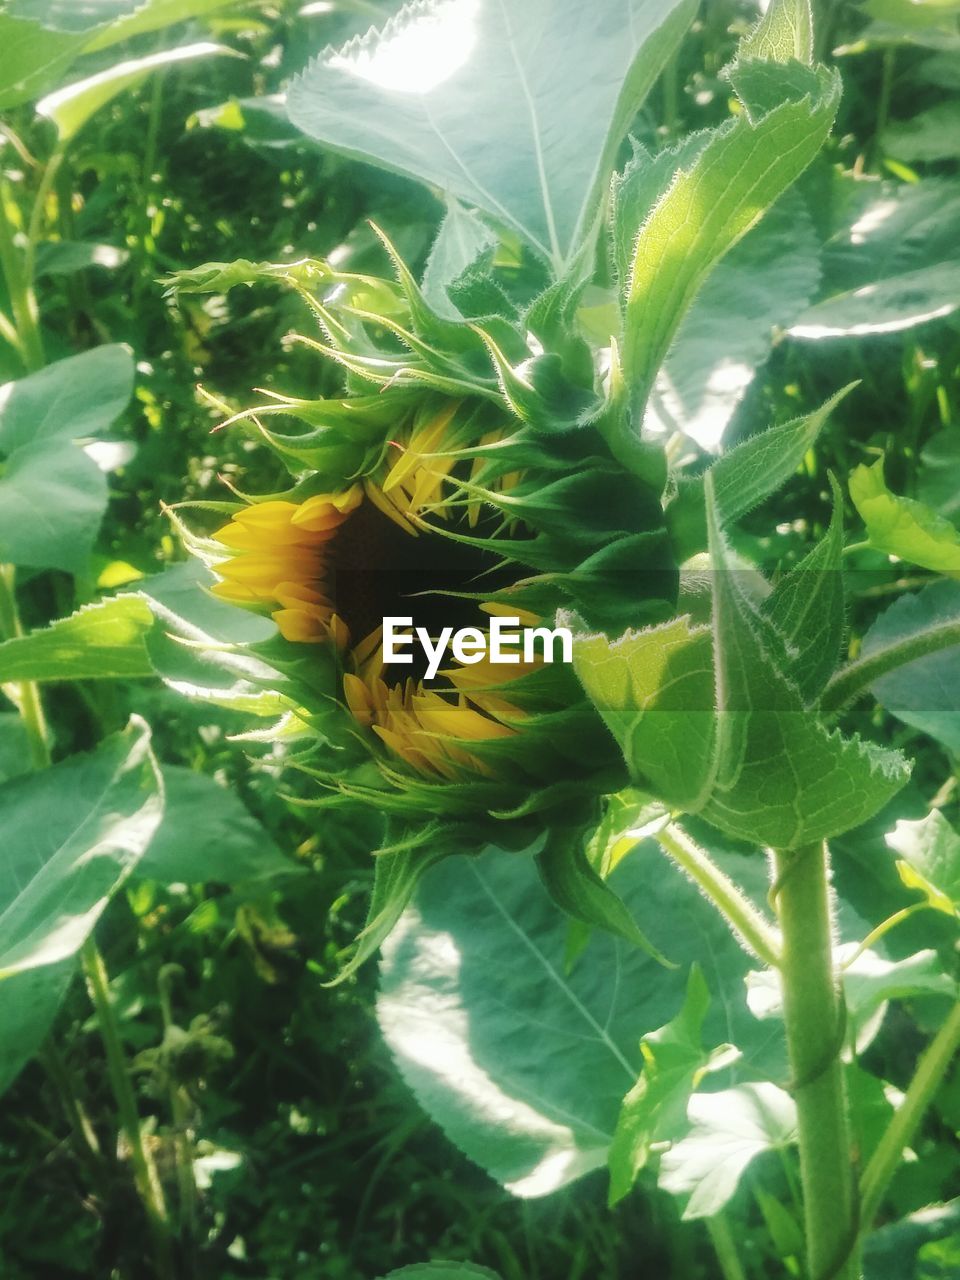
pixel 902 527
pixel 782 779
pixel 100 641
pixel 930 859
pixel 783 34
pixel 730 1129
pixel 655 1109
pixel 655 692
pixel 579 891
pixel 714 188
pixel 461 240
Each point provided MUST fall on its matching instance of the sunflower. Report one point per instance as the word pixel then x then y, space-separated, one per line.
pixel 305 563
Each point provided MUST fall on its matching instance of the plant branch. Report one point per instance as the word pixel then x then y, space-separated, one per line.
pixel 721 1237
pixel 28 693
pixel 929 1075
pixel 853 680
pixel 144 1170
pixel 752 929
pixel 23 301
pixel 814 1025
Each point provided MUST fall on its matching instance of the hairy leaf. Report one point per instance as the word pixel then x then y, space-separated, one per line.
pixel 930 859
pixel 902 527
pixel 100 641
pixel 556 84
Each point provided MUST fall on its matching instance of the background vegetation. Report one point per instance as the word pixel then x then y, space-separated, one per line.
pixel 308 1155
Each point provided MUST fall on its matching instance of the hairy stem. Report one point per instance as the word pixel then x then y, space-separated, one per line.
pixel 853 680
pixel 144 1170
pixel 755 934
pixel 814 1025
pixel 931 1069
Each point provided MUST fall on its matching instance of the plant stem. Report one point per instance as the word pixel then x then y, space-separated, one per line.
pixel 144 1170
pixel 23 300
pixel 814 1025
pixel 28 693
pixel 721 1237
pixel 35 225
pixel 755 934
pixel 853 680
pixel 883 105
pixel 180 1111
pixel 929 1075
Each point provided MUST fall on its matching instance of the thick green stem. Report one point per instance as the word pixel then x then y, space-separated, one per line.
pixel 814 1024
pixel 852 681
pixel 753 931
pixel 144 1170
pixel 931 1069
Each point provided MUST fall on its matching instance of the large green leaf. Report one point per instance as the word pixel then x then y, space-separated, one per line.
pixel 894 1252
pixel 933 134
pixel 52 496
pixel 522 1060
pixel 103 640
pixel 72 834
pixel 730 1129
pixel 691 206
pixel 887 306
pixel 72 106
pixel 926 693
pixel 556 84
pixel 207 835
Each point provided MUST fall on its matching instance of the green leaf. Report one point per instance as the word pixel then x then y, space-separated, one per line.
pixel 746 475
pixel 712 190
pixel 73 833
pixel 208 835
pixel 773 273
pixel 497 1036
pixel 887 306
pixel 556 84
pixel 937 476
pixel 782 779
pixel 761 465
pixel 14 746
pixel 807 608
pixel 655 692
pixel 655 1109
pixel 902 527
pixel 52 496
pixel 893 1252
pixel 931 135
pixel 32 58
pixel 579 891
pixel 930 859
pixel 100 641
pixel 72 106
pixel 461 240
pixel 64 257
pixel 729 1130
pixel 783 34
pixel 201 645
pixel 926 693
pixel 442 1271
